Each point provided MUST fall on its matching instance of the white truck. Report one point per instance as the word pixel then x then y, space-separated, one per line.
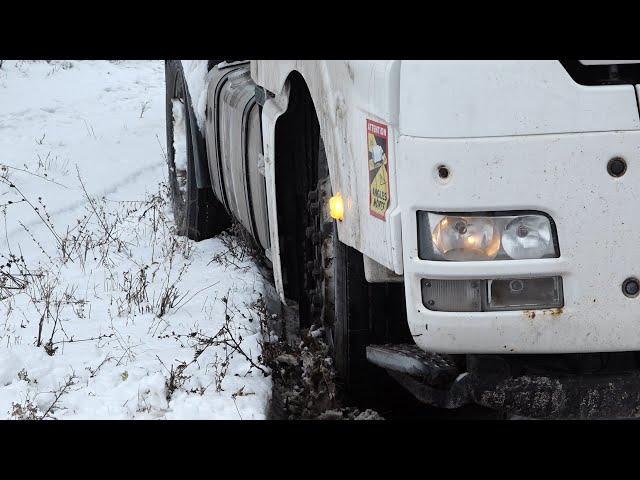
pixel 471 227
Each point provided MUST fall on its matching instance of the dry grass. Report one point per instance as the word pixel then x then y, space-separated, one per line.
pixel 108 237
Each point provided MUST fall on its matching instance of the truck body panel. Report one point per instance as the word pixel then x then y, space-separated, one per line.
pixel 597 224
pixel 346 94
pixel 463 99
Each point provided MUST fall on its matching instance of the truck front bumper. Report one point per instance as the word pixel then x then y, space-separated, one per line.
pixel 598 224
pixel 492 382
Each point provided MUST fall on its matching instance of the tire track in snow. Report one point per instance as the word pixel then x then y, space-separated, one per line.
pixel 80 203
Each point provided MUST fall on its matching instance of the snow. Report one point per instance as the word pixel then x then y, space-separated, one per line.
pixel 178 115
pixel 195 74
pixel 136 321
pixel 179 134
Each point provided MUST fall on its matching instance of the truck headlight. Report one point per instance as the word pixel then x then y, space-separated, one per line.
pixel 486 236
pixel 528 236
pixel 466 238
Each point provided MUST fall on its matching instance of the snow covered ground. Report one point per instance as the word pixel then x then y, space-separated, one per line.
pixel 104 311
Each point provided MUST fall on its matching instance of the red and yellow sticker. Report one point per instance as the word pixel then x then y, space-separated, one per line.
pixel 378 156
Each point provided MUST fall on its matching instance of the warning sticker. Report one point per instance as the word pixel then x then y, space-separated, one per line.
pixel 378 153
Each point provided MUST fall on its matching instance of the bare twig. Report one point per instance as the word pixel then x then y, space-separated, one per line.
pixel 35 175
pixel 68 384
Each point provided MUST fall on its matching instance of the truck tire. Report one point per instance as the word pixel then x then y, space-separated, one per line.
pixel 324 277
pixel 353 312
pixel 365 314
pixel 197 213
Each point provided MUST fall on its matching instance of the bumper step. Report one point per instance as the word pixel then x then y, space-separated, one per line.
pixel 432 368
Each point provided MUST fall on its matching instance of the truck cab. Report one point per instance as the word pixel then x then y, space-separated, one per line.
pixel 467 226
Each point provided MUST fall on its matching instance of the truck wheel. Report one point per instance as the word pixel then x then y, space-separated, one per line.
pixel 353 312
pixel 365 314
pixel 197 213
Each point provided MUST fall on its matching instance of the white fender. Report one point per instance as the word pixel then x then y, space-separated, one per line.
pixel 271 111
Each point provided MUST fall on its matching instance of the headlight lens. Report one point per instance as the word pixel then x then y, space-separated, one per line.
pixel 487 236
pixel 466 238
pixel 528 236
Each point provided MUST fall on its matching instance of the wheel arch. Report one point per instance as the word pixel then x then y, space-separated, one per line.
pixel 295 131
pixel 313 79
pixel 309 86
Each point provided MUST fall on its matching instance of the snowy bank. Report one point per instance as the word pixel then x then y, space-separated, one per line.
pixel 104 311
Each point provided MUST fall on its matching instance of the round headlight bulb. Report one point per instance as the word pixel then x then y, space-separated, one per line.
pixel 528 236
pixel 466 238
